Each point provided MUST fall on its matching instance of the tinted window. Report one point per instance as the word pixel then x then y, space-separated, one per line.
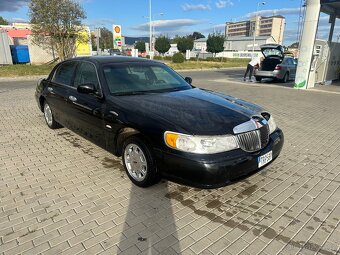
pixel 64 73
pixel 142 77
pixel 86 73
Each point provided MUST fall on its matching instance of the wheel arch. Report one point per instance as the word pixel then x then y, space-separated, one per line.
pixel 122 135
pixel 125 133
pixel 41 103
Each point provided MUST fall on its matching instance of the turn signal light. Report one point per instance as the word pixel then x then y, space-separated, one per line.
pixel 171 139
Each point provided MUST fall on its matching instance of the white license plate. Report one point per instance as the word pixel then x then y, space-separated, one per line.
pixel 265 159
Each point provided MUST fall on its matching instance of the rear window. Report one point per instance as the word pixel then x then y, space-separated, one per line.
pixel 272 52
pixel 64 73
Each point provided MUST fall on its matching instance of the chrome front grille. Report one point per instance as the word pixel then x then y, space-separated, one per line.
pixel 254 140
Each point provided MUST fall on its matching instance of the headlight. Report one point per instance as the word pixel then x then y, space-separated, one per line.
pixel 200 144
pixel 272 125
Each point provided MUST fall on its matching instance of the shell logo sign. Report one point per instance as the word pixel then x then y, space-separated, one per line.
pixel 117 37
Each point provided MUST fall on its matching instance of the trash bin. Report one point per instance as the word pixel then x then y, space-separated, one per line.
pixel 20 54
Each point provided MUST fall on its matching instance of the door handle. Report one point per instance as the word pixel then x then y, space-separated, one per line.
pixel 72 98
pixel 49 89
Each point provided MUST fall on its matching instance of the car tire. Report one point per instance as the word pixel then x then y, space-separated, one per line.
pixel 259 79
pixel 285 78
pixel 49 118
pixel 139 164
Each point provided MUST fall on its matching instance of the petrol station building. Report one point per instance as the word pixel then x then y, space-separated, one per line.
pixel 319 60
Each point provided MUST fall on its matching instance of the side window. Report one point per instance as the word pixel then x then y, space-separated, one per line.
pixel 86 73
pixel 64 73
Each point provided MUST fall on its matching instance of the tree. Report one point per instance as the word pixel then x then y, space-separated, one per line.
pixel 3 21
pixel 106 39
pixel 185 43
pixel 58 24
pixel 215 43
pixel 162 44
pixel 197 35
pixel 140 46
pixel 294 45
pixel 176 39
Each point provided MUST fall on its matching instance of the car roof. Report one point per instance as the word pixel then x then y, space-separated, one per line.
pixel 114 59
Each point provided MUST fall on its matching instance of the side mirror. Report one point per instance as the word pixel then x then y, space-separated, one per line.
pixel 87 88
pixel 188 80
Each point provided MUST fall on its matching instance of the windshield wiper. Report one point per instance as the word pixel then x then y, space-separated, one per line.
pixel 129 93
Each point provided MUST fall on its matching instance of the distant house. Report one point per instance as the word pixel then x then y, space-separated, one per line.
pixel 236 43
pixel 17 34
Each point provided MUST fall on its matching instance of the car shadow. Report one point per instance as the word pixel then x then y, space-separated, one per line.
pixel 149 226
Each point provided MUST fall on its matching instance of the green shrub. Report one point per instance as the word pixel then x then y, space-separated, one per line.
pixel 157 57
pixel 178 58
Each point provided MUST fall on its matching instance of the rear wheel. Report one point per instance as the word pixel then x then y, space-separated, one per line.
pixel 139 163
pixel 285 78
pixel 49 118
pixel 259 79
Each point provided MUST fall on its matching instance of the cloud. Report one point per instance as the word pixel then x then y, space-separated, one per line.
pixel 16 20
pixel 196 7
pixel 169 25
pixel 223 4
pixel 218 28
pixel 100 22
pixel 283 11
pixel 12 5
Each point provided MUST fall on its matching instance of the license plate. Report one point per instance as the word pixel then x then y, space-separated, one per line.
pixel 265 159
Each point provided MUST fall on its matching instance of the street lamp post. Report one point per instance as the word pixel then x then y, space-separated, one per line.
pixel 150 30
pixel 254 32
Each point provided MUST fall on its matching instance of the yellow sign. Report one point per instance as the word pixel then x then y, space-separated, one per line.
pixel 83 43
pixel 117 37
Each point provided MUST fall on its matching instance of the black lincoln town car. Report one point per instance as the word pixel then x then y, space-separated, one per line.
pixel 158 122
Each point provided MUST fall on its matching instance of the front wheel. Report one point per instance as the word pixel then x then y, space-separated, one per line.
pixel 49 118
pixel 139 163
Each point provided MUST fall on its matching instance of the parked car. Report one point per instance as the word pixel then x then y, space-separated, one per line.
pixel 158 122
pixel 276 64
pixel 115 52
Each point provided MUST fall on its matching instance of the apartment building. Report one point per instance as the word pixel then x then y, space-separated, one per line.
pixel 262 26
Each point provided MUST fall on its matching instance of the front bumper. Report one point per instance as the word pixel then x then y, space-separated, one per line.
pixel 212 171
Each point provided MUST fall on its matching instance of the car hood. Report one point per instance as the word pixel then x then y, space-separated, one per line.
pixel 194 111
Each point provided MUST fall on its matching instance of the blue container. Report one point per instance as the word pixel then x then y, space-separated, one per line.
pixel 20 54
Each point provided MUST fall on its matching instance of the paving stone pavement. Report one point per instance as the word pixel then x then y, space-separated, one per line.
pixel 59 193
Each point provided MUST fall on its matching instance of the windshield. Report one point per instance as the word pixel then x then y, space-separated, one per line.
pixel 141 77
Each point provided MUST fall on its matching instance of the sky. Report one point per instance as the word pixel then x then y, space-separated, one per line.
pixel 177 17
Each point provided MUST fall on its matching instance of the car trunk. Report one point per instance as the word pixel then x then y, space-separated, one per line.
pixel 269 64
pixel 273 55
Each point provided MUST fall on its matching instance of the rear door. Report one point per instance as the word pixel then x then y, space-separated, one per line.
pixel 292 67
pixel 87 110
pixel 58 89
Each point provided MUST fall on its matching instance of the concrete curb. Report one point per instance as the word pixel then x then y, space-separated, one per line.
pixel 257 84
pixel 208 69
pixel 37 77
pixel 23 78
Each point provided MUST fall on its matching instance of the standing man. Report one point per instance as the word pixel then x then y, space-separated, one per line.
pixel 254 63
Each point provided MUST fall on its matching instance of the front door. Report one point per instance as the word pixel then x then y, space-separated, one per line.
pixel 87 110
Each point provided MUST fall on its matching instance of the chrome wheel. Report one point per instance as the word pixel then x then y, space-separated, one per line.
pixel 135 162
pixel 48 115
